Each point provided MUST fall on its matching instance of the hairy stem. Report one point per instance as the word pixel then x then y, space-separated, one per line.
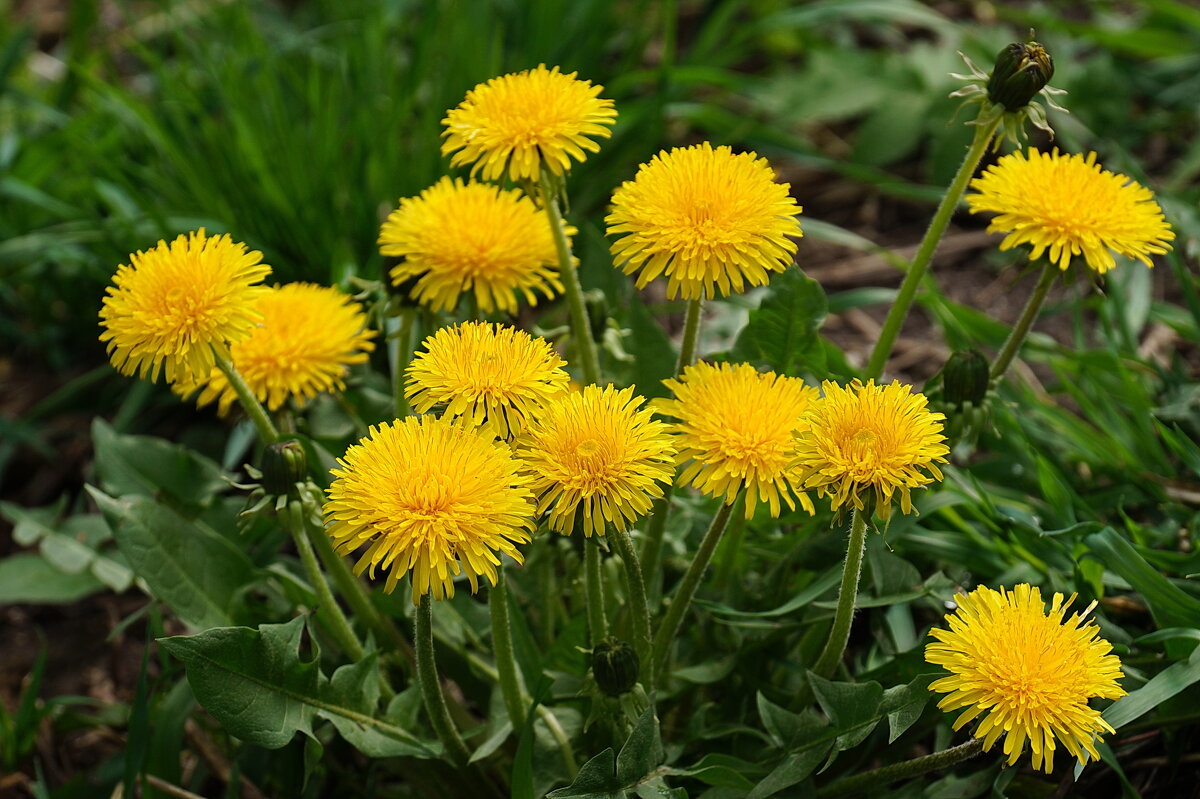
pixel 593 589
pixel 638 609
pixel 870 782
pixel 691 335
pixel 835 646
pixel 355 593
pixel 502 645
pixel 431 687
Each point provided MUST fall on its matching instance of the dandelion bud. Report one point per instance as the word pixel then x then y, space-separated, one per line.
pixel 965 378
pixel 284 464
pixel 615 666
pixel 1022 70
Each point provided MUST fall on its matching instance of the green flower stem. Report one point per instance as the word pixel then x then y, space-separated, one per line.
pixel 732 544
pixel 355 594
pixel 691 335
pixel 401 352
pixel 920 263
pixel 502 644
pixel 547 717
pixel 835 646
pixel 327 607
pixel 639 610
pixel 593 589
pixel 547 587
pixel 1016 337
pixel 253 408
pixel 652 545
pixel 869 782
pixel 589 359
pixel 687 589
pixel 657 525
pixel 431 687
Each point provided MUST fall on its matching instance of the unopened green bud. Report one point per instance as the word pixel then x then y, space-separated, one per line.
pixel 615 666
pixel 965 378
pixel 284 464
pixel 1022 70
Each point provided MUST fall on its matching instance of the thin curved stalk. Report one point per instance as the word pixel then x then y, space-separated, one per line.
pixel 355 593
pixel 327 607
pixel 254 409
pixel 653 540
pixel 1016 337
pixel 589 358
pixel 593 590
pixel 401 352
pixel 682 600
pixel 933 235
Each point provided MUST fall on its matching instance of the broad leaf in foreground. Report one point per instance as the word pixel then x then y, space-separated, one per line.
pixel 255 683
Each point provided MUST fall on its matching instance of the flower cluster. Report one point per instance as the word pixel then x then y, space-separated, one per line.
pixel 308 338
pixel 458 237
pixel 502 444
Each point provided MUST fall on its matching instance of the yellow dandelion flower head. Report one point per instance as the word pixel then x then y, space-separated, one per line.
pixel 175 308
pixel 309 336
pixel 1068 205
pixel 713 221
pixel 599 452
pixel 865 444
pixel 518 123
pixel 458 237
pixel 1030 672
pixel 489 374
pixel 431 497
pixel 737 426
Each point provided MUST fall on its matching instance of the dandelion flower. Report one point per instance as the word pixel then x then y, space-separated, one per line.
pixel 518 123
pixel 599 452
pixel 175 308
pixel 737 427
pixel 431 497
pixel 863 445
pixel 1067 205
pixel 1028 674
pixel 458 237
pixel 308 337
pixel 489 374
pixel 712 221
